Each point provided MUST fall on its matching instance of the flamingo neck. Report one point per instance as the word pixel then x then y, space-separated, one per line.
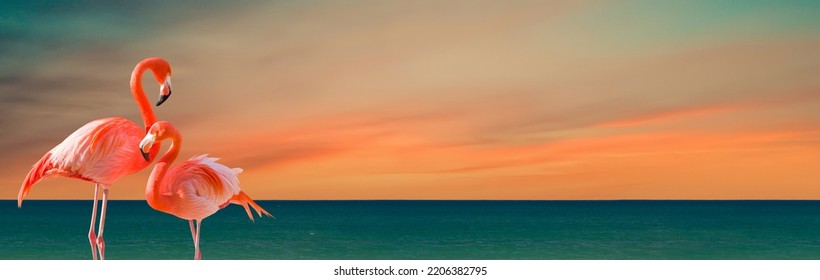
pixel 148 117
pixel 154 189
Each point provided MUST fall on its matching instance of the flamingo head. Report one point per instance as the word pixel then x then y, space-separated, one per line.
pixel 158 132
pixel 146 144
pixel 164 90
pixel 162 72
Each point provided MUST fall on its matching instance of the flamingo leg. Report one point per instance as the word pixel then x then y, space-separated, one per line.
pixel 92 237
pixel 193 231
pixel 193 237
pixel 198 255
pixel 100 240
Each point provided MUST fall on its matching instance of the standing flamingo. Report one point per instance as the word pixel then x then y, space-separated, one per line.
pixel 194 189
pixel 104 150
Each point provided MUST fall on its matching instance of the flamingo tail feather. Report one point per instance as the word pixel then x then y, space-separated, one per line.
pixel 38 172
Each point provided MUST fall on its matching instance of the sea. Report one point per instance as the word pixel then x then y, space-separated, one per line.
pixel 426 230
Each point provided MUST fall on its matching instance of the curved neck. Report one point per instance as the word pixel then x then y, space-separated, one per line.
pixel 152 193
pixel 148 117
pixel 176 144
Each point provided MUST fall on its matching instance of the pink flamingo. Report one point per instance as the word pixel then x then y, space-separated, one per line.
pixel 104 150
pixel 194 189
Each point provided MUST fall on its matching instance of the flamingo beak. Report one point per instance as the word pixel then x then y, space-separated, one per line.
pixel 164 91
pixel 146 145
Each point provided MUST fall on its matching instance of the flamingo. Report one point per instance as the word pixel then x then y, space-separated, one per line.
pixel 104 150
pixel 194 189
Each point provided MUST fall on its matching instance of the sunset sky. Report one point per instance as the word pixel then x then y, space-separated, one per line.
pixel 435 99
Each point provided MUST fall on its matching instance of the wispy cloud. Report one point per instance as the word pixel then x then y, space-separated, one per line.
pixel 672 115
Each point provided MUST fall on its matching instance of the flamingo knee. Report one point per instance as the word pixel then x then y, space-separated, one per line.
pixel 92 238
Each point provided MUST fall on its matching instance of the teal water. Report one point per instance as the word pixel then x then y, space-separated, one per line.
pixel 427 230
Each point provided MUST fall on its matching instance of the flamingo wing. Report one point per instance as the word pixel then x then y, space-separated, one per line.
pixel 228 176
pixel 101 151
pixel 200 186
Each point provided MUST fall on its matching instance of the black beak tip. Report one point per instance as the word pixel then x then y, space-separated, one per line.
pixel 162 98
pixel 146 156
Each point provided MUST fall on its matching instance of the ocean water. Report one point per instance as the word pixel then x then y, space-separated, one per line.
pixel 427 230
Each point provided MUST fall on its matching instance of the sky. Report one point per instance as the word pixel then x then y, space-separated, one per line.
pixel 434 99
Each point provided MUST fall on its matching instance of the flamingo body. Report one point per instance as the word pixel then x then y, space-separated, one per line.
pixel 102 151
pixel 196 188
